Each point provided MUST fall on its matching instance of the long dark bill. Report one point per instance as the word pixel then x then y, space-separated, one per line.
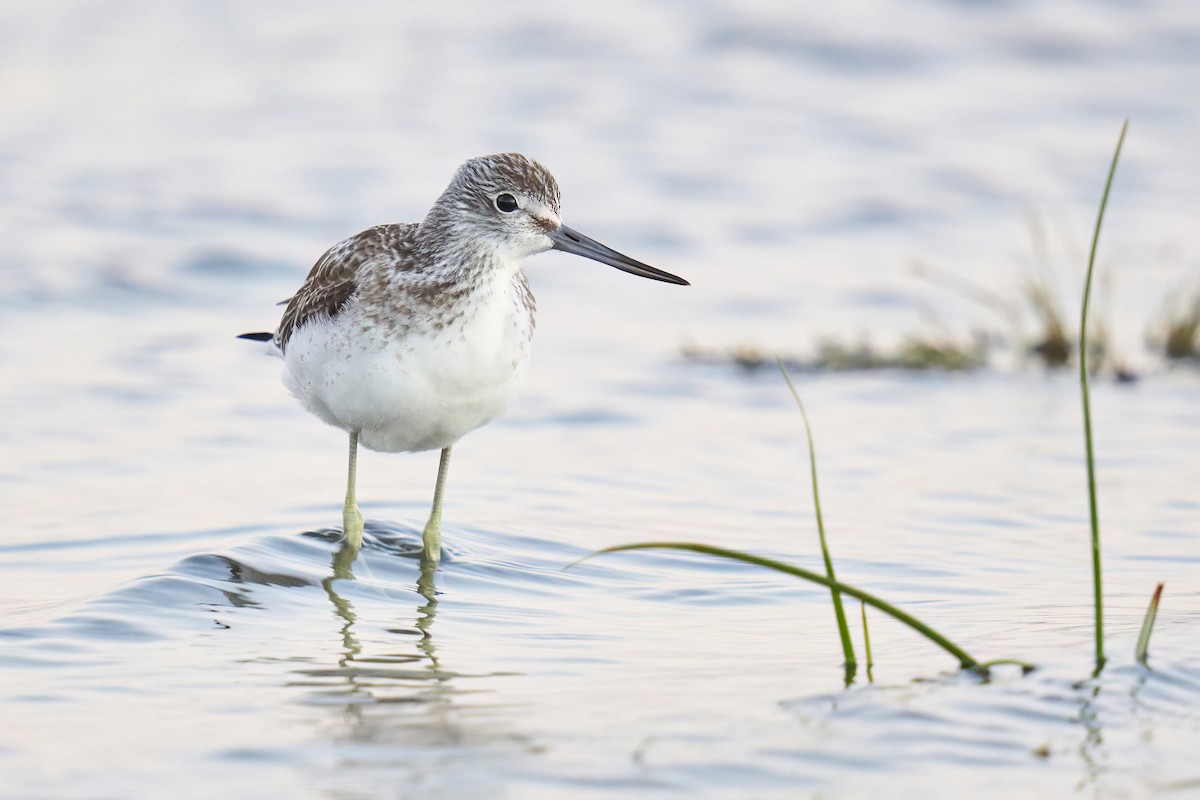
pixel 572 241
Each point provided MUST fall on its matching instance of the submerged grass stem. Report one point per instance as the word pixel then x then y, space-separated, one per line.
pixel 1143 643
pixel 839 612
pixel 1097 585
pixel 867 643
pixel 964 659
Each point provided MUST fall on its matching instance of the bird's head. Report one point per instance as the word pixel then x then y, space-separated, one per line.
pixel 511 203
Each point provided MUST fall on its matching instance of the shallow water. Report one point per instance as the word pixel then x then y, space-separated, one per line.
pixel 172 620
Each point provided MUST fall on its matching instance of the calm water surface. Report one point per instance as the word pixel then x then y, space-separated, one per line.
pixel 172 621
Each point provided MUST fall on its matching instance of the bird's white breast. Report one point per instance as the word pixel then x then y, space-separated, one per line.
pixel 421 383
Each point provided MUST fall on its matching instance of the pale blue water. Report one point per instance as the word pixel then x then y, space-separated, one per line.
pixel 169 621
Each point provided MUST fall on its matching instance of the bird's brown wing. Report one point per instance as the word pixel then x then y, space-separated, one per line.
pixel 334 279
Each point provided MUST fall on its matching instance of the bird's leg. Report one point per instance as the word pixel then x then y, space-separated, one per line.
pixel 352 521
pixel 433 529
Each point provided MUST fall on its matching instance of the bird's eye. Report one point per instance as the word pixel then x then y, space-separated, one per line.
pixel 506 203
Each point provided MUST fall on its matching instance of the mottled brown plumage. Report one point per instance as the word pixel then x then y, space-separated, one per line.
pixel 334 279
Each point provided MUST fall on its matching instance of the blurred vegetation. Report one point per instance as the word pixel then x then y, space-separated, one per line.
pixel 1028 321
pixel 915 352
pixel 1178 334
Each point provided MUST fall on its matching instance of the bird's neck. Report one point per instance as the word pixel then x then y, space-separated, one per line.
pixel 443 276
pixel 456 251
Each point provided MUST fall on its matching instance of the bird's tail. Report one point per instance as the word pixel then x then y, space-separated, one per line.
pixel 257 337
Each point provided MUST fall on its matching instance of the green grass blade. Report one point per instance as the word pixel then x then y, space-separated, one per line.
pixel 1143 642
pixel 964 659
pixel 838 610
pixel 1097 587
pixel 867 643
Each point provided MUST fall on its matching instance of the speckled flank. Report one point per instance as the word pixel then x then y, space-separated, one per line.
pixel 337 274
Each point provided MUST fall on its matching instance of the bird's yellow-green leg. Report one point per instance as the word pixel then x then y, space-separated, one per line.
pixel 433 529
pixel 352 521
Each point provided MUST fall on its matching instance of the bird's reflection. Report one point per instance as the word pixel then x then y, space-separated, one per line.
pixel 343 558
pixel 398 698
pixel 427 612
pixel 362 681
